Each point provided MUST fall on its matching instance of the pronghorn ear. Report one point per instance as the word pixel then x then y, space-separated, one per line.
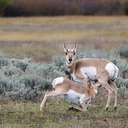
pixel 75 48
pixel 65 49
pixel 90 84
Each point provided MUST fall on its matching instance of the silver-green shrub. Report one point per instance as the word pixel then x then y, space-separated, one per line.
pixel 124 52
pixel 21 79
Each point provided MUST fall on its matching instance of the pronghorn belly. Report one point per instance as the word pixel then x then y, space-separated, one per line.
pixel 90 72
pixel 112 70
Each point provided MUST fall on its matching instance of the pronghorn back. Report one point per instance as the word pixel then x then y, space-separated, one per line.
pixel 94 67
pixel 66 84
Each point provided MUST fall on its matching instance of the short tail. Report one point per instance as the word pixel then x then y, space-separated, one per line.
pixel 116 72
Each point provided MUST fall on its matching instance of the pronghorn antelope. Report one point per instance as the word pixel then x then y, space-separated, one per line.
pixel 69 88
pixel 94 69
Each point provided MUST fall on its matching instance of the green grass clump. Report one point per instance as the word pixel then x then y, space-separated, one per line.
pixel 56 115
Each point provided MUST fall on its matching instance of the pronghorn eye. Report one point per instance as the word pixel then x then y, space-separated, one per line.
pixel 66 53
pixel 74 53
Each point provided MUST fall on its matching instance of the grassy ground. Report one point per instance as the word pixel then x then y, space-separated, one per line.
pixel 42 37
pixel 57 115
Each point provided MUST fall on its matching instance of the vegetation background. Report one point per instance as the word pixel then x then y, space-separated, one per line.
pixel 63 7
pixel 31 56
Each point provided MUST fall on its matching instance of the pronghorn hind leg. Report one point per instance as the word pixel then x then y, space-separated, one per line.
pixel 43 101
pixel 115 90
pixel 49 94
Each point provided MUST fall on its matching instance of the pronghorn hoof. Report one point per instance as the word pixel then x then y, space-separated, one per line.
pixel 106 109
pixel 70 108
pixel 40 109
pixel 73 109
pixel 115 108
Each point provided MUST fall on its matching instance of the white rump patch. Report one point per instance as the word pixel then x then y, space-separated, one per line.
pixel 89 72
pixel 113 70
pixel 57 80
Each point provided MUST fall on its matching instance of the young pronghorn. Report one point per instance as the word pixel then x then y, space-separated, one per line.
pixel 69 88
pixel 94 69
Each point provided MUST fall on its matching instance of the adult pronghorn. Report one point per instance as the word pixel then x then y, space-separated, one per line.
pixel 101 70
pixel 68 88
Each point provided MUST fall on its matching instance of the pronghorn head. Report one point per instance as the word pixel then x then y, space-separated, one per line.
pixel 92 88
pixel 70 54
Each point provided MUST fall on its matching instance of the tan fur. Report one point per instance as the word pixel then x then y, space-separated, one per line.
pixel 101 74
pixel 68 84
pixel 65 86
pixel 98 63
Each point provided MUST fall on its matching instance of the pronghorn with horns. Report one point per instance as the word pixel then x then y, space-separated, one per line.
pixel 69 88
pixel 94 69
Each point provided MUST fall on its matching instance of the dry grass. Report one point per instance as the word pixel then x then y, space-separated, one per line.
pixel 42 37
pixel 62 19
pixel 59 35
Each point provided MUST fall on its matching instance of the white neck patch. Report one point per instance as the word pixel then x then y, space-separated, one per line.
pixel 57 80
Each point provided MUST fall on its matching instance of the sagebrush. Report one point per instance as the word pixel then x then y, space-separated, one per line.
pixel 22 79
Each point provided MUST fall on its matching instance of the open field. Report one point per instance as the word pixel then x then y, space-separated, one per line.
pixel 57 115
pixel 42 37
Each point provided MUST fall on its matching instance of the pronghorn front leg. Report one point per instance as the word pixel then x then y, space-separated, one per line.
pixel 49 94
pixel 43 101
pixel 105 84
pixel 81 108
pixel 84 103
pixel 78 108
pixel 84 78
